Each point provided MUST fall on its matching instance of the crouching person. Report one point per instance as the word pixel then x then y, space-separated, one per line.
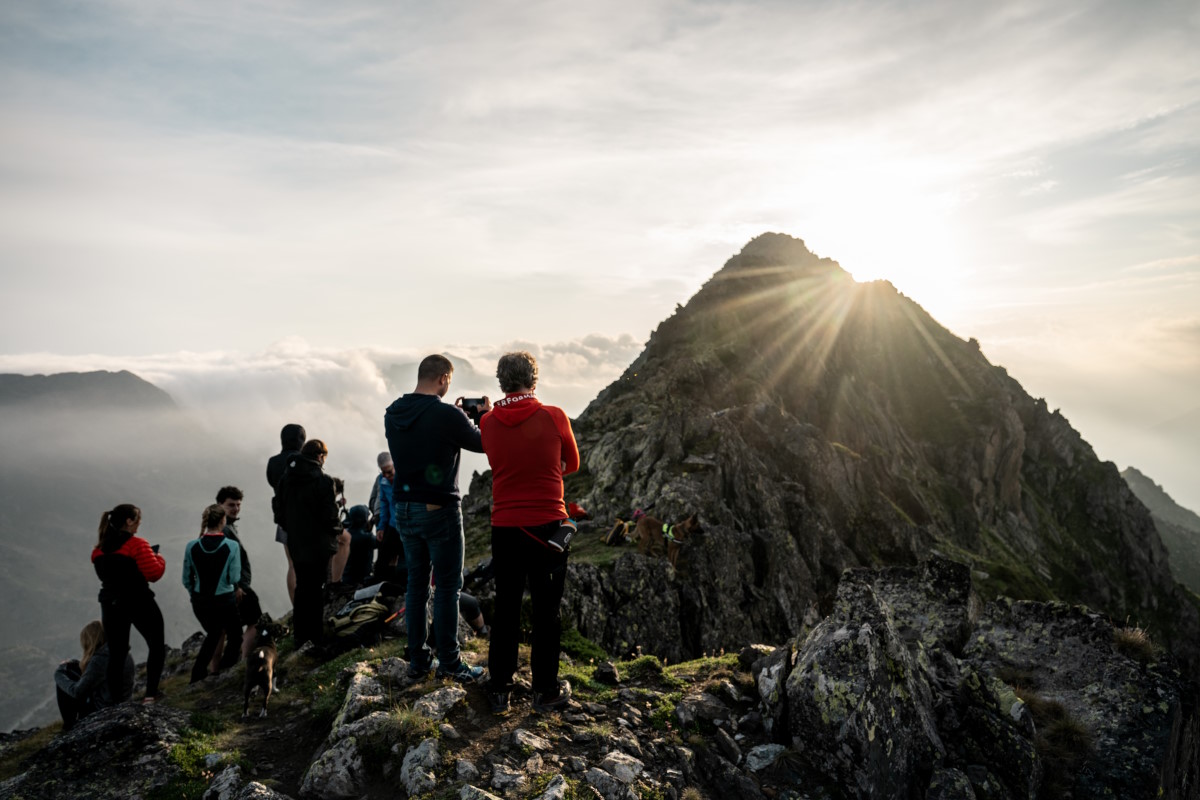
pixel 82 686
pixel 530 447
pixel 212 567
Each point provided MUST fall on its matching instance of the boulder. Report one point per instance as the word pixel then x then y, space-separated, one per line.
pixel 437 704
pixel 417 774
pixel 338 774
pixel 860 708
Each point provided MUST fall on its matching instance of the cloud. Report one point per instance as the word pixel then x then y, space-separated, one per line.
pixel 338 395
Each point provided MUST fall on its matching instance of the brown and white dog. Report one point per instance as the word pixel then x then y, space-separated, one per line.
pixel 260 664
pixel 654 537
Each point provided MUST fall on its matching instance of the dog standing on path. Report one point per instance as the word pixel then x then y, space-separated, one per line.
pixel 260 664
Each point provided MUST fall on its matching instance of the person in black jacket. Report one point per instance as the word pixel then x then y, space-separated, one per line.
pixel 291 439
pixel 126 565
pixel 306 507
pixel 82 686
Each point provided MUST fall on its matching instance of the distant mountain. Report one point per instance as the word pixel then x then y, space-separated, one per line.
pixel 83 390
pixel 75 445
pixel 467 381
pixel 1179 527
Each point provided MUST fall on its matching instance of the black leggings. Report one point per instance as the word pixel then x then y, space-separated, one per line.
pixel 143 614
pixel 217 615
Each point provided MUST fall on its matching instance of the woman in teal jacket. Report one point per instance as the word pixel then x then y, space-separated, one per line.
pixel 212 567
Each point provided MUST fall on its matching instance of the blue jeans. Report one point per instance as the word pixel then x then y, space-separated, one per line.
pixel 433 542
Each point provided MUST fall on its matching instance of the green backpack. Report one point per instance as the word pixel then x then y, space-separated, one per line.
pixel 360 623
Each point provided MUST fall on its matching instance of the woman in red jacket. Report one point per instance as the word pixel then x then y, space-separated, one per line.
pixel 530 447
pixel 126 565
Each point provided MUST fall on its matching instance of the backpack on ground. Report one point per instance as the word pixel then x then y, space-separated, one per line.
pixel 358 624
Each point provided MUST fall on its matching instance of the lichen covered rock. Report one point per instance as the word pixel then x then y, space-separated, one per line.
pixel 860 708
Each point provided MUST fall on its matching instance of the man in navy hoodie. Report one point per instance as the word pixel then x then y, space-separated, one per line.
pixel 425 437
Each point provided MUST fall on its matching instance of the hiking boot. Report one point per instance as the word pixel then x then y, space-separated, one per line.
pixel 553 701
pixel 561 540
pixel 463 673
pixel 498 702
pixel 415 673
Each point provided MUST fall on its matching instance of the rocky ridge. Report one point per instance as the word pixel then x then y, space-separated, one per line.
pixel 910 687
pixel 817 424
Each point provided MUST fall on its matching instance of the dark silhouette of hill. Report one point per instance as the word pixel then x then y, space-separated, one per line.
pixel 83 390
pixel 1179 527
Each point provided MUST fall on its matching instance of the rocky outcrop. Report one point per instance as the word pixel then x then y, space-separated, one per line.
pixel 118 752
pixel 909 689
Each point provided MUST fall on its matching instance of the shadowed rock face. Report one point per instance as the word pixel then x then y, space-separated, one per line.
pixel 907 689
pixel 817 424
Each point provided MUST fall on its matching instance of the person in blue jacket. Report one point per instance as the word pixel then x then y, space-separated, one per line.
pixel 212 567
pixel 82 686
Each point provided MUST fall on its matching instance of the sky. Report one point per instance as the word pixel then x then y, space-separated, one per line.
pixel 269 195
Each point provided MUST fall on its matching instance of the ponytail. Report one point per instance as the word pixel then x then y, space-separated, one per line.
pixel 212 518
pixel 111 522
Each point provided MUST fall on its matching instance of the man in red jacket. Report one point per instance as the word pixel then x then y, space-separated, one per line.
pixel 530 447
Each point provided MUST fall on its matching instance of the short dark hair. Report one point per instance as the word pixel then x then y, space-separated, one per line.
pixel 433 367
pixel 517 370
pixel 229 492
pixel 313 448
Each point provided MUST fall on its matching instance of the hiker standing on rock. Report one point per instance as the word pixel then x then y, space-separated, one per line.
pixel 530 447
pixel 126 565
pixel 212 568
pixel 306 507
pixel 425 437
pixel 291 439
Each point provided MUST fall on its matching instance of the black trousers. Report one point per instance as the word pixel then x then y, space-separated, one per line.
pixel 310 600
pixel 118 616
pixel 217 615
pixel 70 708
pixel 519 561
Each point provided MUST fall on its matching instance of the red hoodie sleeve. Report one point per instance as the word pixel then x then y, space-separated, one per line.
pixel 570 450
pixel 149 563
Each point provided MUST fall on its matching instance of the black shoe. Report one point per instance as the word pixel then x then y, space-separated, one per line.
pixel 498 701
pixel 561 540
pixel 556 701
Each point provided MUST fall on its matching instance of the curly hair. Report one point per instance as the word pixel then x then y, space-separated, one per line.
pixel 517 371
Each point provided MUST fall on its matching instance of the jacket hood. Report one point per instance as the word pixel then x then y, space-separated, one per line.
pixel 359 516
pixel 514 409
pixel 408 408
pixel 209 544
pixel 302 469
pixel 292 437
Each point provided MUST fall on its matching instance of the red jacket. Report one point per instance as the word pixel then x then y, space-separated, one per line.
pixel 527 445
pixel 128 571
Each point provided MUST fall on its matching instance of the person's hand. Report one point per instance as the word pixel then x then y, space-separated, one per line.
pixel 487 405
pixel 458 402
pixel 239 593
pixel 379 535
